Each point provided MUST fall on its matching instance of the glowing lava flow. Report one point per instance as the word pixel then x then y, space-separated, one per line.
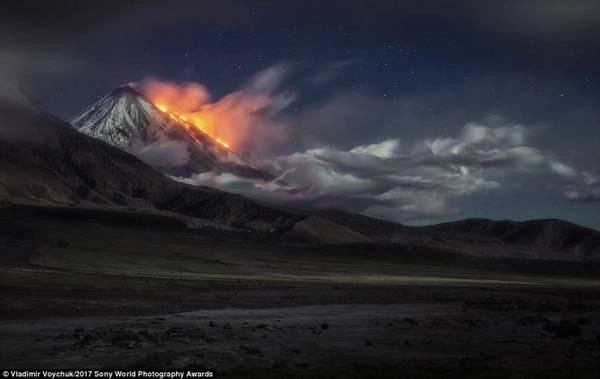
pixel 184 120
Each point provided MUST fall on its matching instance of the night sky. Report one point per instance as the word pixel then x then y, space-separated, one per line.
pixel 419 112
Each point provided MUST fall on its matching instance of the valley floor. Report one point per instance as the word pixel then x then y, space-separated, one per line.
pixel 84 293
pixel 309 330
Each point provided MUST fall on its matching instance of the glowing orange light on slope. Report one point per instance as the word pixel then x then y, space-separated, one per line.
pixel 196 123
pixel 222 142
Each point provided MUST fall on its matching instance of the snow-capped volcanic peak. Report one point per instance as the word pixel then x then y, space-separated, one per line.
pixel 120 118
pixel 126 119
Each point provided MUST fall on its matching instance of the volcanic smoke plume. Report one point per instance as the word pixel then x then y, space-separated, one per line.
pixel 245 121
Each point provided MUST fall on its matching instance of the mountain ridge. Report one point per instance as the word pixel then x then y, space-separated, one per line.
pixel 48 163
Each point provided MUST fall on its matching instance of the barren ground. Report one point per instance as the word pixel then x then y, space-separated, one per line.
pixel 95 295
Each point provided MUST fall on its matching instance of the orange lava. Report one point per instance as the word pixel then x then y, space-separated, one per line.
pixel 195 120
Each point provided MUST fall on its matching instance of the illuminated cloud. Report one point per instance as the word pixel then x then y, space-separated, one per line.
pixel 420 181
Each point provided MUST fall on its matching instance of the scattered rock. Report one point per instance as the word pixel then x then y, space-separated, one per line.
pixel 279 364
pixel 583 321
pixel 532 319
pixel 251 350
pixel 175 332
pixel 158 360
pixel 564 329
pixel 88 339
pixel 575 306
pixel 124 336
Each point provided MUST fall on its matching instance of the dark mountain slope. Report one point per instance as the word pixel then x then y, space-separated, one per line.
pixel 542 236
pixel 553 239
pixel 45 161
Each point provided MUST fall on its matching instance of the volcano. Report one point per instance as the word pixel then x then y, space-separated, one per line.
pixel 129 121
pixel 45 162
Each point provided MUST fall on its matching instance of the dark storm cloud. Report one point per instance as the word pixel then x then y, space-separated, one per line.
pixel 556 23
pixel 20 116
pixel 50 37
pixel 53 38
pixel 51 19
pixel 565 21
